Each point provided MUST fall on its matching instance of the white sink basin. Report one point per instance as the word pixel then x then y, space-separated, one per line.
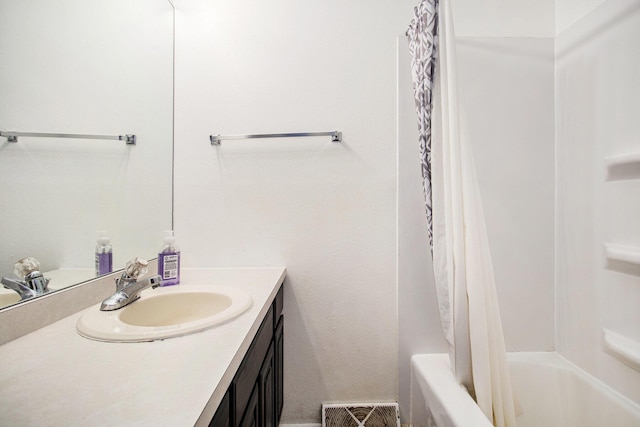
pixel 165 313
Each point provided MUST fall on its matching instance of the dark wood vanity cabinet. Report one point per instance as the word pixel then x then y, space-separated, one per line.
pixel 255 396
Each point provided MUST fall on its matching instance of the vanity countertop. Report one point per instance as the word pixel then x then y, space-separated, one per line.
pixel 53 376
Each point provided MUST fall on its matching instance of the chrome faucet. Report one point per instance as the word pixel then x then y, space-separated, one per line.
pixel 34 282
pixel 128 287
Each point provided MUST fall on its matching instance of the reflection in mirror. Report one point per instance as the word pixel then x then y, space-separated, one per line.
pixel 88 67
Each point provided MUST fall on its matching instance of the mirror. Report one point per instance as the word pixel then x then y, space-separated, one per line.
pixel 84 67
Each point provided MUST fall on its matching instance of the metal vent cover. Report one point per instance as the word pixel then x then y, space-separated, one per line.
pixel 360 415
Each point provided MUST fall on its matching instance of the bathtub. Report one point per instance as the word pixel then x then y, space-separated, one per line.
pixel 551 391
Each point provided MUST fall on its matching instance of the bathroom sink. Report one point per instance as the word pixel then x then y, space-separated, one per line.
pixel 165 313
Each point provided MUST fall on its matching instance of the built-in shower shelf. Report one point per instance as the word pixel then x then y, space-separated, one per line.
pixel 620 253
pixel 622 348
pixel 623 166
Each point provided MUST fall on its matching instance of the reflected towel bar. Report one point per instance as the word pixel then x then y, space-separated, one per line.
pixel 336 136
pixel 13 136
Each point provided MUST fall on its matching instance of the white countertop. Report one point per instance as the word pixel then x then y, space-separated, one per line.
pixel 55 377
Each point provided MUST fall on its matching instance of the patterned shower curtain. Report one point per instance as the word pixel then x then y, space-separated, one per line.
pixel 463 270
pixel 423 49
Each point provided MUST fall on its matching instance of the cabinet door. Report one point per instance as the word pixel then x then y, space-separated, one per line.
pixel 267 390
pixel 279 365
pixel 255 396
pixel 222 418
pixel 249 371
pixel 251 417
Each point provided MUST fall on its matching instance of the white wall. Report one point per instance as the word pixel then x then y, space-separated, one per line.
pixel 597 92
pixel 326 211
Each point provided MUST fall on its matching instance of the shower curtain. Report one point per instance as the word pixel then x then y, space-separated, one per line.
pixel 463 271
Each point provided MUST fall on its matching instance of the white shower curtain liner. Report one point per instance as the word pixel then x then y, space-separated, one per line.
pixel 461 257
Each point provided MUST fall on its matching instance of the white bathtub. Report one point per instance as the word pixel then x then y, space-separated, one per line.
pixel 552 393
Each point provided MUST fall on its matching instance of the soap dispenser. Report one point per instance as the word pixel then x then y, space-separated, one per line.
pixel 104 255
pixel 169 260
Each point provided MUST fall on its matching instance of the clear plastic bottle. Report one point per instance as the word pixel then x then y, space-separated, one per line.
pixel 104 255
pixel 169 261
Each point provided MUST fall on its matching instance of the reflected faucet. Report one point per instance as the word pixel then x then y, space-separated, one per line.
pixel 34 282
pixel 128 287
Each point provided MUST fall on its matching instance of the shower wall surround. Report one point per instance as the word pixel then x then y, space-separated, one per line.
pixel 549 255
pixel 597 92
pixel 504 18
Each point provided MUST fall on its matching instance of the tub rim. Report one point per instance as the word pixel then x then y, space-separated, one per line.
pixel 433 373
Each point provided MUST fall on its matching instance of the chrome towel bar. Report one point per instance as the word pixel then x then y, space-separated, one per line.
pixel 336 136
pixel 13 136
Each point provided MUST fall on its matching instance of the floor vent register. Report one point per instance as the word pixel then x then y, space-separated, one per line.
pixel 360 415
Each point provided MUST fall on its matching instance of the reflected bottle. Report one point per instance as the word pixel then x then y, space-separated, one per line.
pixel 169 260
pixel 104 255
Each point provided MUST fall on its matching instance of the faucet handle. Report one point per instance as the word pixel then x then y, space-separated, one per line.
pixel 28 269
pixel 136 267
pixel 25 266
